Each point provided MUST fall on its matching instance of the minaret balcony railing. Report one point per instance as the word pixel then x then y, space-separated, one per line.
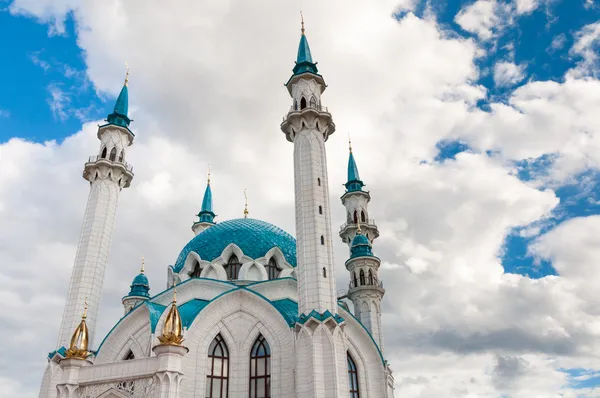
pixel 368 223
pixel 374 282
pixel 96 158
pixel 309 106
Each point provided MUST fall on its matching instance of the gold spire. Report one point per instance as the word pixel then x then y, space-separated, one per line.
pixel 78 349
pixel 208 179
pixel 142 270
pixel 246 208
pixel 127 73
pixel 172 331
pixel 302 19
pixel 358 231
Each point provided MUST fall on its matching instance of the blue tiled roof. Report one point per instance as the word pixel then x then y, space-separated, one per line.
pixel 190 310
pixel 206 213
pixel 254 237
pixel 119 116
pixel 155 311
pixel 140 286
pixel 361 246
pixel 288 309
pixel 354 183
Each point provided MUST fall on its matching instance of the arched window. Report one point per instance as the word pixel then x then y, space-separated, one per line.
pixel 295 105
pixel 362 277
pixel 320 209
pixel 353 378
pixel 113 154
pixel 272 269
pixel 318 181
pixel 217 375
pixel 322 240
pixel 103 156
pixel 121 155
pixel 355 217
pixel 324 273
pixel 196 270
pixel 233 267
pixel 370 277
pixel 129 356
pixel 313 102
pixel 355 279
pixel 362 216
pixel 260 369
pixel 302 103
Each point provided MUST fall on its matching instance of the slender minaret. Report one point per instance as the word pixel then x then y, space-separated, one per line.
pixel 206 217
pixel 366 290
pixel 308 125
pixel 356 201
pixel 108 174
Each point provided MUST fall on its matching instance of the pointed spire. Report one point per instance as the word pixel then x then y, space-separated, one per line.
pixel 119 116
pixel 206 213
pixel 142 270
pixel 140 287
pixel 354 183
pixel 78 348
pixel 304 62
pixel 172 331
pixel 246 206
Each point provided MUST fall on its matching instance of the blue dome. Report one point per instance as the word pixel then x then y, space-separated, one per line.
pixel 360 246
pixel 141 279
pixel 254 237
pixel 360 239
pixel 140 286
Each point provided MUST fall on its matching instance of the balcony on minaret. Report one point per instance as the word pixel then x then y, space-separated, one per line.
pixel 307 114
pixel 100 166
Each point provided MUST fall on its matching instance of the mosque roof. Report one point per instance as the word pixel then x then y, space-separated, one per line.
pixel 254 237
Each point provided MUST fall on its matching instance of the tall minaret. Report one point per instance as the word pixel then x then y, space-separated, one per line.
pixel 308 125
pixel 356 201
pixel 206 217
pixel 107 173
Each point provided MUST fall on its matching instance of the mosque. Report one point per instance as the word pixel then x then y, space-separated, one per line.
pixel 249 311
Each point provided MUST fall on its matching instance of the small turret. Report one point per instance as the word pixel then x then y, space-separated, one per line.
pixel 139 292
pixel 78 348
pixel 206 217
pixel 119 116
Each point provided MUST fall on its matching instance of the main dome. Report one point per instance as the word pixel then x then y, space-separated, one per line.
pixel 254 237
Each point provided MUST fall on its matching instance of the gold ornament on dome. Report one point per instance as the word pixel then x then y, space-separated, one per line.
pixel 78 349
pixel 172 331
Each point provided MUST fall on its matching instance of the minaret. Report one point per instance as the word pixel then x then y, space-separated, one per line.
pixel 206 217
pixel 139 292
pixel 356 201
pixel 366 290
pixel 308 125
pixel 107 173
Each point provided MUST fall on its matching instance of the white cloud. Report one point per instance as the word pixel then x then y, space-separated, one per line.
pixel 526 6
pixel 4 113
pixel 479 18
pixel 214 95
pixel 586 46
pixel 508 74
pixel 58 101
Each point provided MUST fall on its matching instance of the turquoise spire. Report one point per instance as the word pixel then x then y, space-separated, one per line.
pixel 140 286
pixel 361 246
pixel 354 183
pixel 206 213
pixel 304 62
pixel 119 116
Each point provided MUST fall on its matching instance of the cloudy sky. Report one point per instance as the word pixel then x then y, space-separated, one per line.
pixel 476 126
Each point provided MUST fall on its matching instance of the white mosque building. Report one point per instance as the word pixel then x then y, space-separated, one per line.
pixel 250 311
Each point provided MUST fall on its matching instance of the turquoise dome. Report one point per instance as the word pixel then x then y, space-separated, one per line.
pixel 360 246
pixel 140 286
pixel 254 237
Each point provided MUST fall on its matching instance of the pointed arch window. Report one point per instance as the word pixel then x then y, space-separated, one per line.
pixel 121 156
pixel 302 103
pixel 129 356
pixel 113 154
pixel 260 369
pixel 355 279
pixel 320 209
pixel 362 216
pixel 352 378
pixel 322 240
pixel 318 181
pixel 196 271
pixel 313 102
pixel 355 217
pixel 324 272
pixel 233 267
pixel 103 156
pixel 217 375
pixel 362 277
pixel 272 269
pixel 371 277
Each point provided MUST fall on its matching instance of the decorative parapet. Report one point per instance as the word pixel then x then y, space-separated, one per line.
pixel 303 318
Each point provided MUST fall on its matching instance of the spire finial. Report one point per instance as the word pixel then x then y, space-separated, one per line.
pixel 246 207
pixel 78 348
pixel 208 180
pixel 358 230
pixel 85 308
pixel 127 73
pixel 302 19
pixel 174 292
pixel 142 270
pixel 172 332
pixel 349 143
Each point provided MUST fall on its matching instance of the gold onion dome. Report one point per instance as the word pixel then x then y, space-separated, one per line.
pixel 78 349
pixel 172 332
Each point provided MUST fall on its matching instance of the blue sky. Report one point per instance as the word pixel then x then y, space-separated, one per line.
pixel 47 94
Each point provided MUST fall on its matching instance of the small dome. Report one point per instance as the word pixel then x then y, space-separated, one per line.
pixel 140 286
pixel 254 237
pixel 360 246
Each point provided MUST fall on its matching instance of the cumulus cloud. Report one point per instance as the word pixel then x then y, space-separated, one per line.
pixel 508 74
pixel 215 95
pixel 479 18
pixel 586 47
